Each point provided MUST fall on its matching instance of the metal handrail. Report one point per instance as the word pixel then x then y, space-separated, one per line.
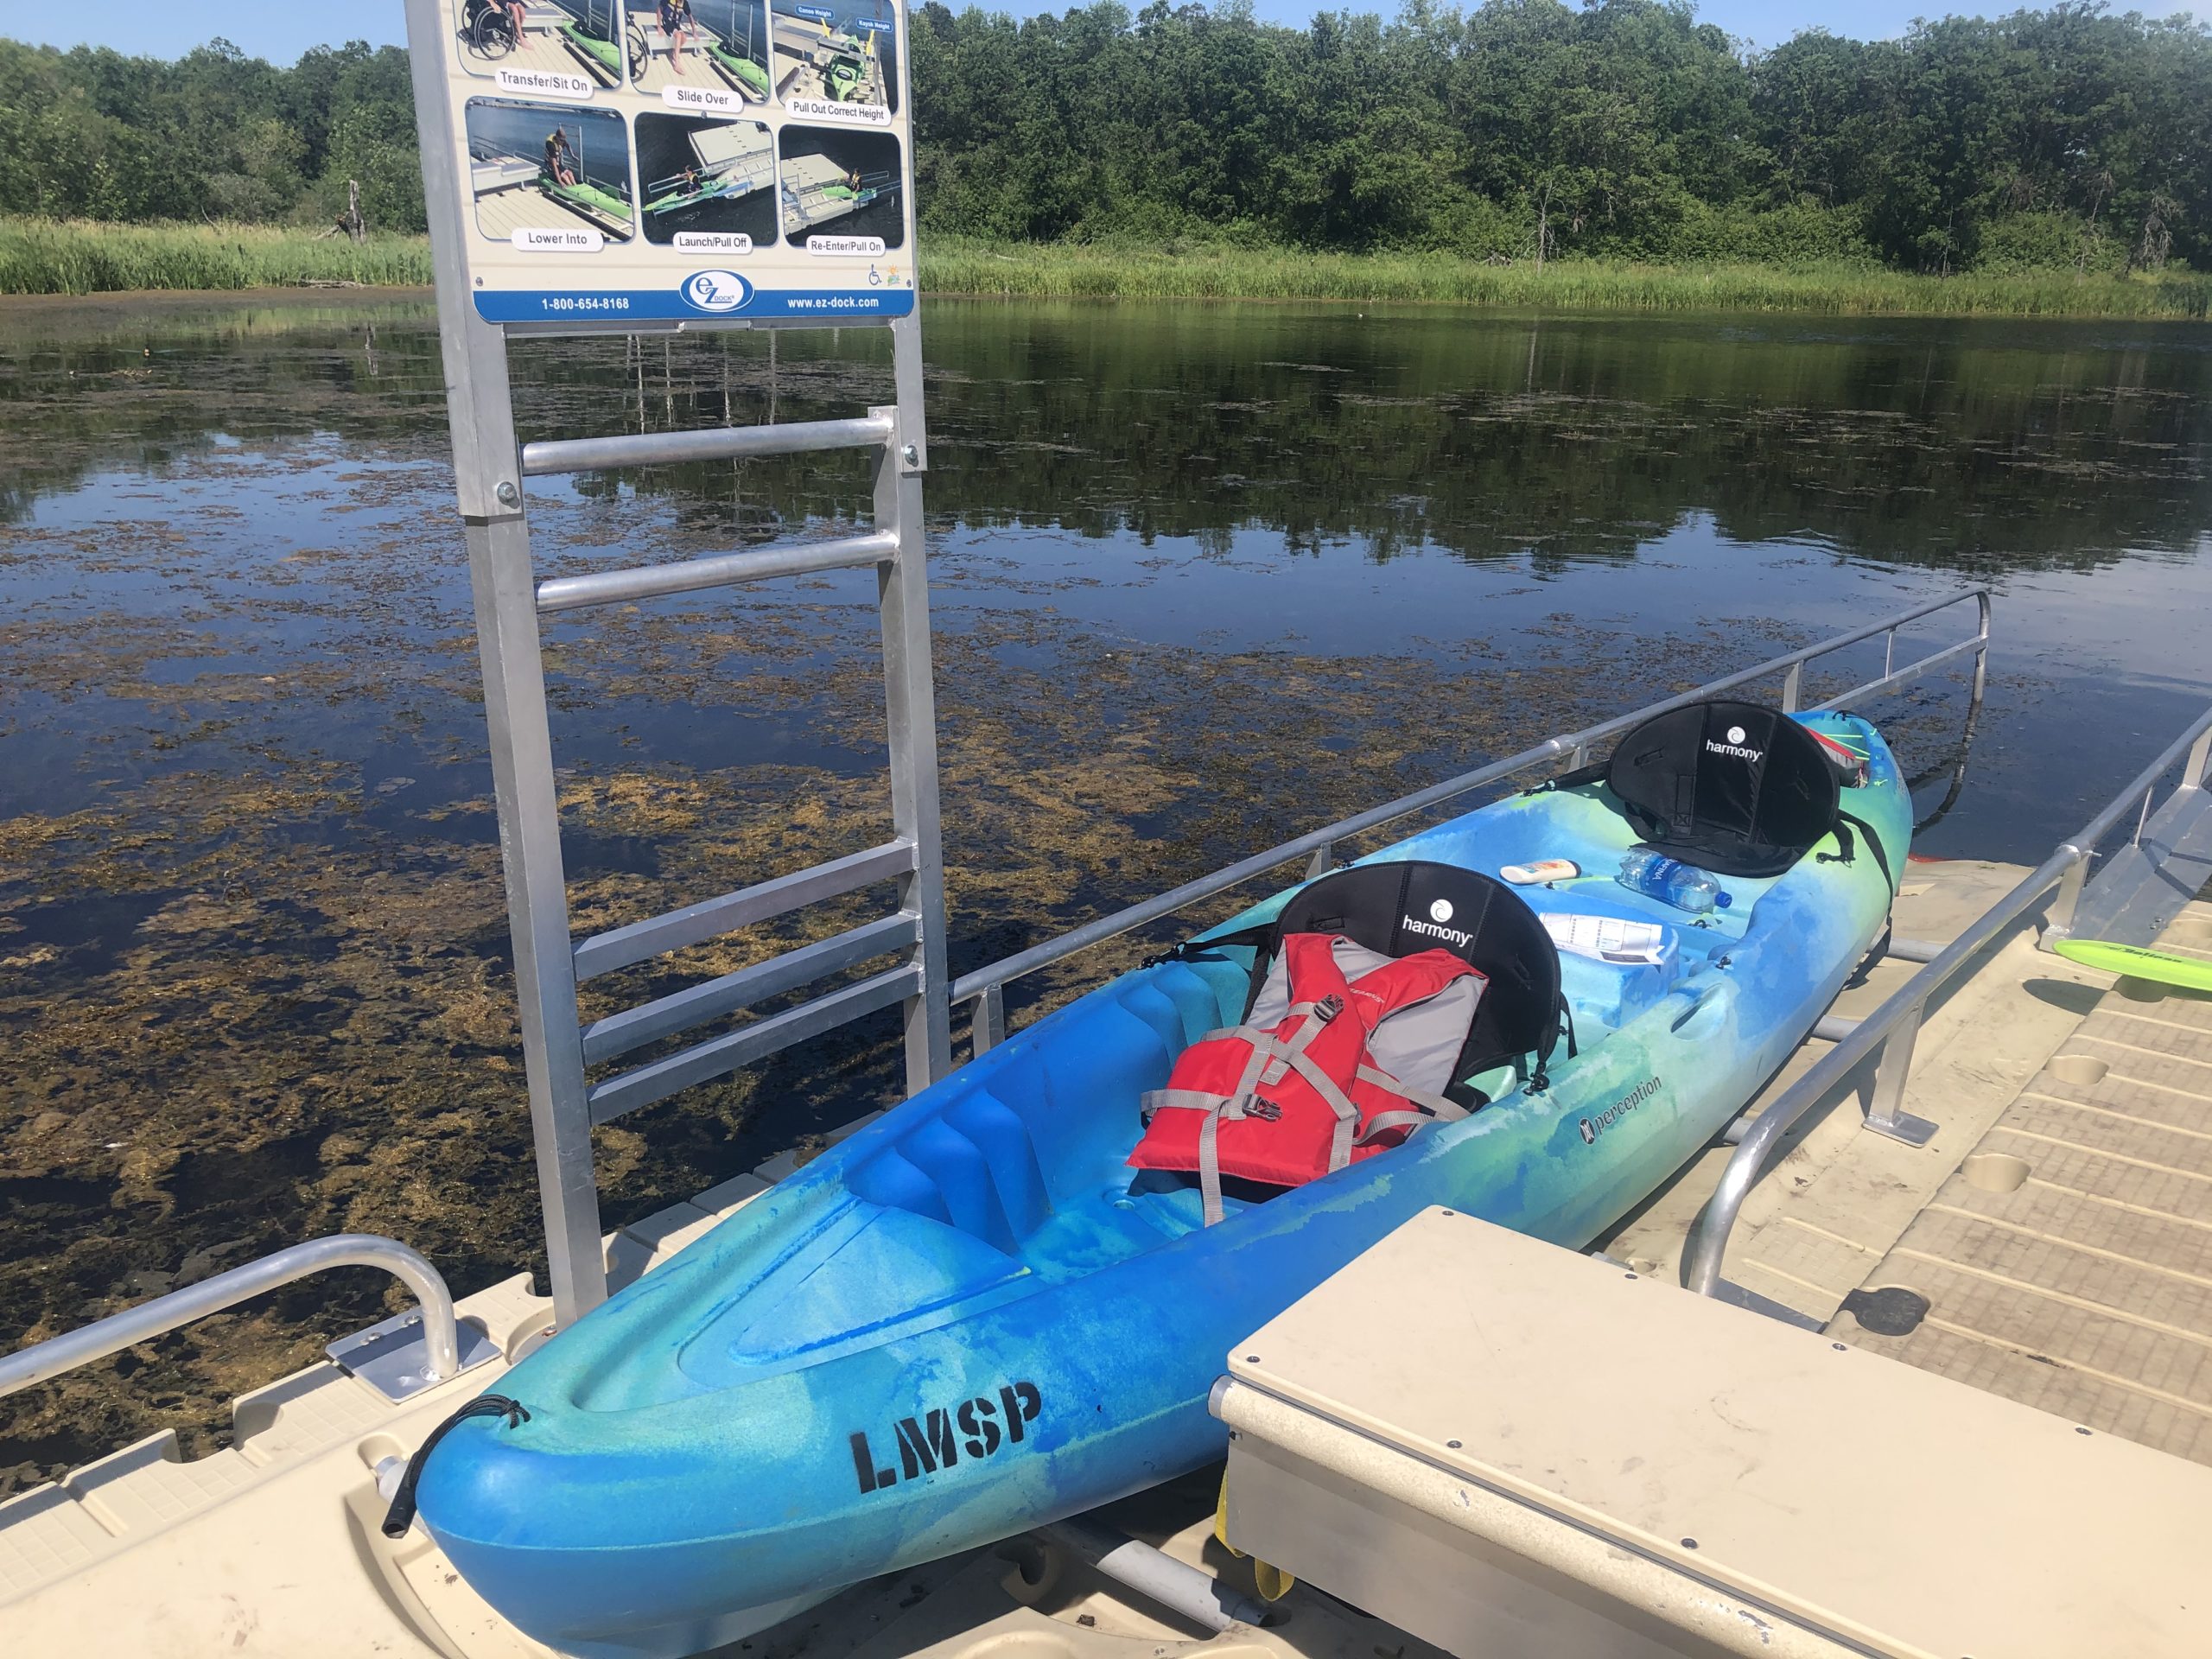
pixel 1894 1026
pixel 550 456
pixel 985 986
pixel 441 1335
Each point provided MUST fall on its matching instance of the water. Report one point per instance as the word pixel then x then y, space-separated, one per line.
pixel 1204 576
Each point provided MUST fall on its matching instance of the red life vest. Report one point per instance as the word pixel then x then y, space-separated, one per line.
pixel 1303 1096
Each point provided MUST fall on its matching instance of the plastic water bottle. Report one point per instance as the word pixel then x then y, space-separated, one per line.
pixel 1672 883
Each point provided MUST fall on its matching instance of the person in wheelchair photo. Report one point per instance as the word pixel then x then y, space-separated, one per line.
pixel 493 27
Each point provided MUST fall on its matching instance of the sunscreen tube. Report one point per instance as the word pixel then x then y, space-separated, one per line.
pixel 1544 869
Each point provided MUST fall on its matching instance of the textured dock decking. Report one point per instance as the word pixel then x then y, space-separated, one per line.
pixel 2068 1264
pixel 2059 1223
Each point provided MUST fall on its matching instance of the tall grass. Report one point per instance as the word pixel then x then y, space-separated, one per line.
pixel 1070 272
pixel 77 257
pixel 74 257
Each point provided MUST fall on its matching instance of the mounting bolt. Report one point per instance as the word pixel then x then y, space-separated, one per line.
pixel 507 493
pixel 910 454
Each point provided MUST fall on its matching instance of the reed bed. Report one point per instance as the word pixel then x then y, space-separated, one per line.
pixel 1070 272
pixel 80 257
pixel 77 256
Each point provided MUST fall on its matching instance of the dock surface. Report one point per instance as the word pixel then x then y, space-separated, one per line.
pixel 2058 1225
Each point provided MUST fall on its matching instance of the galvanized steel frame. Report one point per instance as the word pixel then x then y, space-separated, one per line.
pixel 490 467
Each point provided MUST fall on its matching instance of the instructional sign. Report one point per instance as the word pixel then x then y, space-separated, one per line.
pixel 694 161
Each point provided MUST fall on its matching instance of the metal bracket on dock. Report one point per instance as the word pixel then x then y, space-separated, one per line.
pixel 393 1356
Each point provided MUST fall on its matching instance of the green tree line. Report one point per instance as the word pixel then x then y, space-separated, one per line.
pixel 215 135
pixel 1528 128
pixel 1522 130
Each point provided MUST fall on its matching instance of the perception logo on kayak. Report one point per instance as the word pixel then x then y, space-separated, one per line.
pixel 941 1436
pixel 1592 1128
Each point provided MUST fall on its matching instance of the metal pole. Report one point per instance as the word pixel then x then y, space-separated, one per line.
pixel 1980 659
pixel 488 473
pixel 910 700
pixel 2060 917
pixel 1175 1585
pixel 989 1024
pixel 1885 1113
pixel 1793 685
pixel 42 1360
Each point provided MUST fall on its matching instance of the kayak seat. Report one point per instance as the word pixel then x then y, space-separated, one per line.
pixel 1736 788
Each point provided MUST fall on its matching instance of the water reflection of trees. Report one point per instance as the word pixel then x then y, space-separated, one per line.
pixel 1980 445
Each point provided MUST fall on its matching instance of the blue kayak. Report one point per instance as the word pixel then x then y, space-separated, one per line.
pixel 972 1317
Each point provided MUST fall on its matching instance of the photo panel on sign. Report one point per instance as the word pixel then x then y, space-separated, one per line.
pixel 708 186
pixel 549 178
pixel 542 48
pixel 837 60
pixel 842 192
pixel 699 54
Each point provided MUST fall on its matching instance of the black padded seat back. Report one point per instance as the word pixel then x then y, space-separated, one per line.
pixel 1736 788
pixel 1399 908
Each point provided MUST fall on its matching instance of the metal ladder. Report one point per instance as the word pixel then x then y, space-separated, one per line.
pixel 490 467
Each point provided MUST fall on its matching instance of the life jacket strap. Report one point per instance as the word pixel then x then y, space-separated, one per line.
pixel 1271 1058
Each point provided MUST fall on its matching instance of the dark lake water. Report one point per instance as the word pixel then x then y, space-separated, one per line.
pixel 1204 577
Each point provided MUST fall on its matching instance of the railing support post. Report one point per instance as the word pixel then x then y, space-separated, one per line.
pixel 1324 855
pixel 1981 657
pixel 1886 1113
pixel 989 1026
pixel 1793 685
pixel 2060 923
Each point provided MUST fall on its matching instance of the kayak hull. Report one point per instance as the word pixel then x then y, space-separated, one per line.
pixel 971 1317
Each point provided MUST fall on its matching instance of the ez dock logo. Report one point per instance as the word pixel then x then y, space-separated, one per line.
pixel 974 1428
pixel 716 290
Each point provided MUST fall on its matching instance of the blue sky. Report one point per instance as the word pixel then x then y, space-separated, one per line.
pixel 281 29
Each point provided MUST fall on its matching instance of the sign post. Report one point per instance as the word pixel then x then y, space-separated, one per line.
pixel 605 166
